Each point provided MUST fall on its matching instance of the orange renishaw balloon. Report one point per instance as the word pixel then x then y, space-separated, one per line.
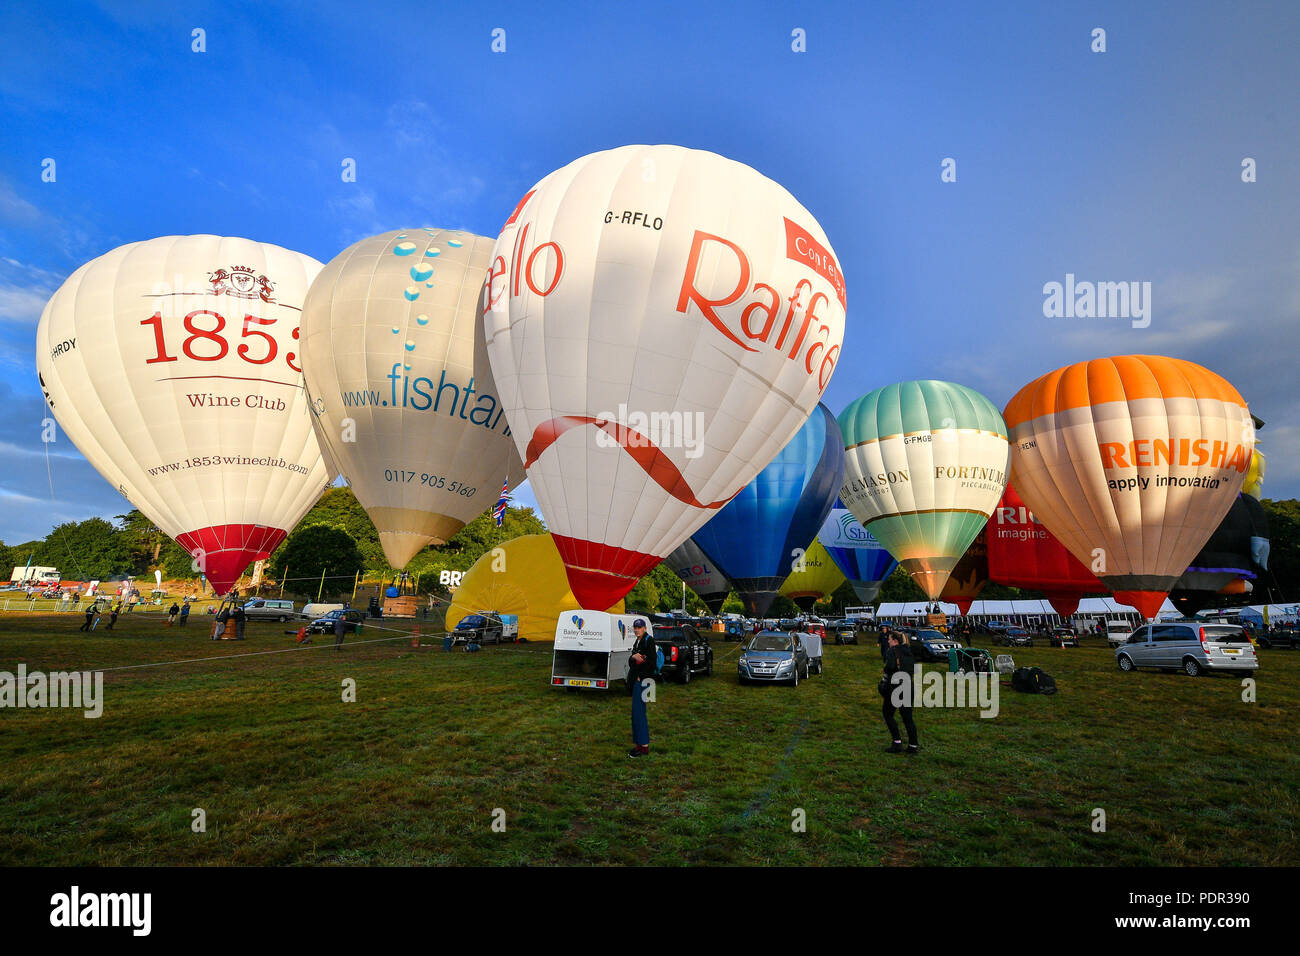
pixel 1134 460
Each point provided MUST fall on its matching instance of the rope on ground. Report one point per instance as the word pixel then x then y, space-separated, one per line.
pixel 283 650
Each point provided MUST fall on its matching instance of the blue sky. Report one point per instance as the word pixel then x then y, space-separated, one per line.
pixel 1115 166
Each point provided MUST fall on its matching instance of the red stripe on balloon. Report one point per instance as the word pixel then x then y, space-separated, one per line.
pixel 653 462
pixel 229 548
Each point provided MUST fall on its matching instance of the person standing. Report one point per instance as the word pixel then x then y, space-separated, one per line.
pixel 898 659
pixel 340 628
pixel 112 615
pixel 172 612
pixel 219 629
pixel 241 618
pixel 640 671
pixel 185 612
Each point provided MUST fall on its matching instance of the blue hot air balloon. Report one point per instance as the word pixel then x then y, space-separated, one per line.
pixel 758 536
pixel 863 560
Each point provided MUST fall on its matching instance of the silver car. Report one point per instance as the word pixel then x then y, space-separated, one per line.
pixel 1190 646
pixel 262 609
pixel 773 656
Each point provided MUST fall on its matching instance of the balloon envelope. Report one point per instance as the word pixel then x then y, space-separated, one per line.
pixel 1022 553
pixel 173 366
pixel 689 562
pixel 757 538
pixel 1132 460
pixel 969 575
pixel 1237 550
pixel 402 397
pixel 660 322
pixel 926 462
pixel 533 586
pixel 816 580
pixel 859 556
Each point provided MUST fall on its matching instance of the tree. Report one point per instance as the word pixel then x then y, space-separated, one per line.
pixel 92 550
pixel 316 549
pixel 1283 575
pixel 143 540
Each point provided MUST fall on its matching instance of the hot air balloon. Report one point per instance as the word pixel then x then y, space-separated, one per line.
pixel 814 578
pixel 759 537
pixel 402 397
pixel 173 365
pixel 1024 554
pixel 533 586
pixel 1236 551
pixel 969 575
pixel 1254 483
pixel 699 573
pixel 660 322
pixel 926 462
pixel 859 556
pixel 1131 462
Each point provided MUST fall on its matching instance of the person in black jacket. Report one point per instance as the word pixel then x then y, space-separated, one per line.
pixel 640 670
pixel 898 658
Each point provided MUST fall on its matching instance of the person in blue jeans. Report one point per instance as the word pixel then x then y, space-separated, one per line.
pixel 640 671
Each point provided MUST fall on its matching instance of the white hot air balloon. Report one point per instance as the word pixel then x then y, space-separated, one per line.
pixel 173 366
pixel 661 321
pixel 401 392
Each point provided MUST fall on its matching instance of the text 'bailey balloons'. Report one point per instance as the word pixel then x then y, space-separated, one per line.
pixel 1022 553
pixel 926 462
pixel 969 574
pixel 522 576
pixel 1236 551
pixel 173 365
pixel 401 394
pixel 660 322
pixel 859 556
pixel 762 535
pixel 698 572
pixel 1131 462
pixel 815 578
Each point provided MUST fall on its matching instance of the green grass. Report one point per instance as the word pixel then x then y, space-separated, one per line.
pixel 1186 772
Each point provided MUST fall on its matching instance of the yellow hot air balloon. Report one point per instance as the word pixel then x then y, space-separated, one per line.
pixel 1254 483
pixel 1131 462
pixel 818 579
pixel 527 578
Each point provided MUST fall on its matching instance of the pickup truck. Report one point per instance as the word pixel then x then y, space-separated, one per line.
pixel 685 649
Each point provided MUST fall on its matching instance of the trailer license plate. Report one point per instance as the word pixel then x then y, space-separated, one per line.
pixel 579 683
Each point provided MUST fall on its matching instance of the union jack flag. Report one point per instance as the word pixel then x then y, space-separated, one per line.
pixel 499 512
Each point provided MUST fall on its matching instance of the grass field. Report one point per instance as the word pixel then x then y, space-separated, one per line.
pixel 412 772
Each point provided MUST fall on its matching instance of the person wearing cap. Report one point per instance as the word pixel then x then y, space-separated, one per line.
pixel 640 670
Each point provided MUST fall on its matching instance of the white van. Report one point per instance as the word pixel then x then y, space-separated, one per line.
pixel 1117 632
pixel 592 648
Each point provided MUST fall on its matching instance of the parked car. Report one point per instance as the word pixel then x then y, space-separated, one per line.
pixel 325 625
pixel 1117 632
pixel 1063 637
pixel 1015 637
pixel 1283 638
pixel 996 626
pixel 773 656
pixel 686 650
pixel 1191 647
pixel 844 632
pixel 477 629
pixel 261 609
pixel 815 627
pixel 930 645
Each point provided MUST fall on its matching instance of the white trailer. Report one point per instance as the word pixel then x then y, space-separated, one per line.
pixel 30 574
pixel 592 648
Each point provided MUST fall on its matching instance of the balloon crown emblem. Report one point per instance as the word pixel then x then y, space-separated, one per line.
pixel 243 282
